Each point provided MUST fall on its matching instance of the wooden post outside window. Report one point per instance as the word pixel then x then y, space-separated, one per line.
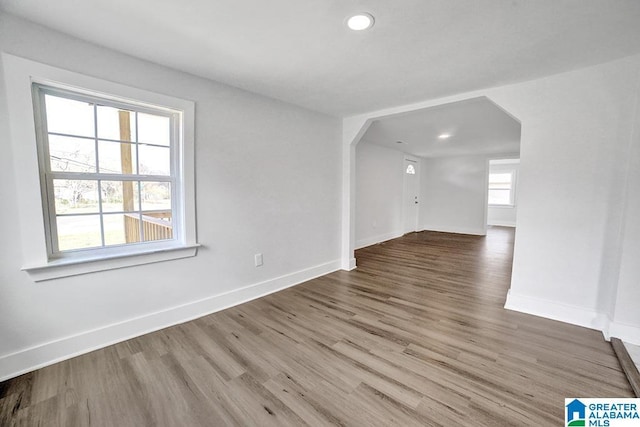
pixel 132 229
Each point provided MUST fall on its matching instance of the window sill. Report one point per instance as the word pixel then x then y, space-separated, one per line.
pixel 503 206
pixel 73 267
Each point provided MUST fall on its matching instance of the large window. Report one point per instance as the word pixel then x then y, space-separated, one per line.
pixel 107 171
pixel 502 188
pixel 106 175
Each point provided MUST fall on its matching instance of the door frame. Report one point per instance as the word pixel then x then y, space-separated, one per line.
pixel 416 160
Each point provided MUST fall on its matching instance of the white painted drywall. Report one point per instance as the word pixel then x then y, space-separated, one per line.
pixel 379 187
pixel 453 194
pixel 504 215
pixel 626 313
pixel 267 180
pixel 575 135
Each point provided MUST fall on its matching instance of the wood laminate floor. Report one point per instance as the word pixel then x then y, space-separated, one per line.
pixel 415 336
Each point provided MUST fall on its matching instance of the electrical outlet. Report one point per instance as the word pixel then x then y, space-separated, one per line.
pixel 258 259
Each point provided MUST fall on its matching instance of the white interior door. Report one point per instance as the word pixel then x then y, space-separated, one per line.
pixel 411 178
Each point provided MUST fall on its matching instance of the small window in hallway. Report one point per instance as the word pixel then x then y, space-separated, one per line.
pixel 411 170
pixel 501 188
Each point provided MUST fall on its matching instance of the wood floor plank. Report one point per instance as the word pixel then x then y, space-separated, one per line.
pixel 416 335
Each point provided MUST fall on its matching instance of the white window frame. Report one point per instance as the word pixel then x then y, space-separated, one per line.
pixel 512 190
pixel 39 260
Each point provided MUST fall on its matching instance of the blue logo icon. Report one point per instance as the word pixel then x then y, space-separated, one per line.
pixel 576 413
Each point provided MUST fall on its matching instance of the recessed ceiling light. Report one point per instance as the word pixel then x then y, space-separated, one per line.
pixel 360 21
pixel 444 136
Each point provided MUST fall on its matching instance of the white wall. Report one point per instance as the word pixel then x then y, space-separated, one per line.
pixel 504 215
pixel 379 194
pixel 626 313
pixel 453 194
pixel 575 135
pixel 267 180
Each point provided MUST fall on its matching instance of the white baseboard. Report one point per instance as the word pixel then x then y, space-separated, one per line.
pixel 628 333
pixel 458 230
pixel 363 243
pixel 14 364
pixel 348 264
pixel 556 311
pixel 502 223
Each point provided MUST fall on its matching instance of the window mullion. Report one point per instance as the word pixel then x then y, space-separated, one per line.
pixel 141 227
pixel 95 134
pixel 49 191
pixel 137 145
pixel 51 210
pixel 100 212
pixel 177 191
pixel 93 99
pixel 110 176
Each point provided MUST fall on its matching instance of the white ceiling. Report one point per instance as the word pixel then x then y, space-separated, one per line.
pixel 476 126
pixel 301 52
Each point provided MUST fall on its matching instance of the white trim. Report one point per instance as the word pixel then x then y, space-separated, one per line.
pixel 75 267
pixel 349 265
pixel 627 333
pixel 363 243
pixel 29 359
pixel 454 229
pixel 502 223
pixel 19 75
pixel 556 311
pixel 485 213
pixel 405 178
pixel 574 315
pixel 505 161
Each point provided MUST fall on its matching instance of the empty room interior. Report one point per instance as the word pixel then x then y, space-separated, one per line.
pixel 317 213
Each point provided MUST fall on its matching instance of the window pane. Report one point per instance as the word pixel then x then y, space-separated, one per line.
pixel 78 232
pixel 120 196
pixel 156 196
pixel 499 186
pixel 154 129
pixel 157 226
pixel 74 196
pixel 411 170
pixel 72 154
pixel 500 178
pixel 115 157
pixel 499 197
pixel 115 230
pixel 69 117
pixel 154 160
pixel 114 123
